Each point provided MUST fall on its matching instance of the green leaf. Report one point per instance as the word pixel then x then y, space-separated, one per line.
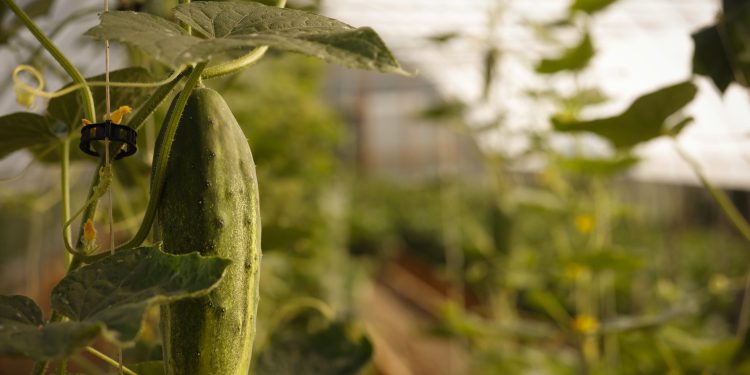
pixel 590 6
pixel 677 128
pixel 599 166
pixel 229 26
pixel 710 58
pixel 291 30
pixel 642 121
pixel 24 129
pixel 572 59
pixel 441 38
pixel 22 331
pixel 337 349
pixel 117 290
pixel 68 108
pixel 163 40
pixel 722 50
pixel 447 110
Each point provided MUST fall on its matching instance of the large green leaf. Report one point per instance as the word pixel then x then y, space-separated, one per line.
pixel 22 331
pixel 642 121
pixel 68 108
pixel 710 58
pixel 336 349
pixel 590 6
pixel 722 51
pixel 291 30
pixel 228 26
pixel 163 40
pixel 24 129
pixel 117 290
pixel 573 59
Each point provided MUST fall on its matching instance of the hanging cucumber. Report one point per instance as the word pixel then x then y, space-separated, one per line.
pixel 210 203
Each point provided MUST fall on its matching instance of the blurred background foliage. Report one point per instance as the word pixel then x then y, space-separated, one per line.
pixel 568 267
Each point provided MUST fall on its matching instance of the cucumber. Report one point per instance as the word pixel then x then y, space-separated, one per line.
pixel 209 203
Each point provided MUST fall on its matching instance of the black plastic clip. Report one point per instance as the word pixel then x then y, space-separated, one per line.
pixel 114 132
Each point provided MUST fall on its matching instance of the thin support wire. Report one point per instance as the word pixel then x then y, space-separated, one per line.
pixel 108 161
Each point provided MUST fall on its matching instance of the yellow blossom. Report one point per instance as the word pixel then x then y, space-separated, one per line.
pixel 584 223
pixel 585 324
pixel 117 115
pixel 89 231
pixel 577 272
pixel 718 284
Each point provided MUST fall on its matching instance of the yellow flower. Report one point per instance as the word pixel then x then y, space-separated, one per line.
pixel 584 223
pixel 579 272
pixel 89 231
pixel 117 115
pixel 719 283
pixel 585 324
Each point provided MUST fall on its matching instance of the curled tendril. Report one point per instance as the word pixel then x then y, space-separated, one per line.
pixel 25 93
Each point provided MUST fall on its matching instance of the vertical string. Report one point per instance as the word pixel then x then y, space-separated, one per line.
pixel 108 161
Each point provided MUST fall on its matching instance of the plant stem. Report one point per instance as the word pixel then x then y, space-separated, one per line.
pixel 65 187
pixel 137 120
pixel 718 195
pixel 40 368
pixel 235 65
pixel 185 26
pixel 737 220
pixel 109 360
pixel 62 367
pixel 89 110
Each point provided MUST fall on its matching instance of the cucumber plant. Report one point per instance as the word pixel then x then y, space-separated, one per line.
pixel 203 188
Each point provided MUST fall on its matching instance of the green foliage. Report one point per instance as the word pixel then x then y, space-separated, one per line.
pixel 574 59
pixel 42 134
pixel 721 49
pixel 117 290
pixel 24 129
pixel 228 26
pixel 337 348
pixel 109 296
pixel 22 331
pixel 645 118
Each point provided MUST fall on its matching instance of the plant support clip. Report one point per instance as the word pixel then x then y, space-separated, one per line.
pixel 113 132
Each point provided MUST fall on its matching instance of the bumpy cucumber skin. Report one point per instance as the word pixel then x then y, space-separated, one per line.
pixel 210 204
